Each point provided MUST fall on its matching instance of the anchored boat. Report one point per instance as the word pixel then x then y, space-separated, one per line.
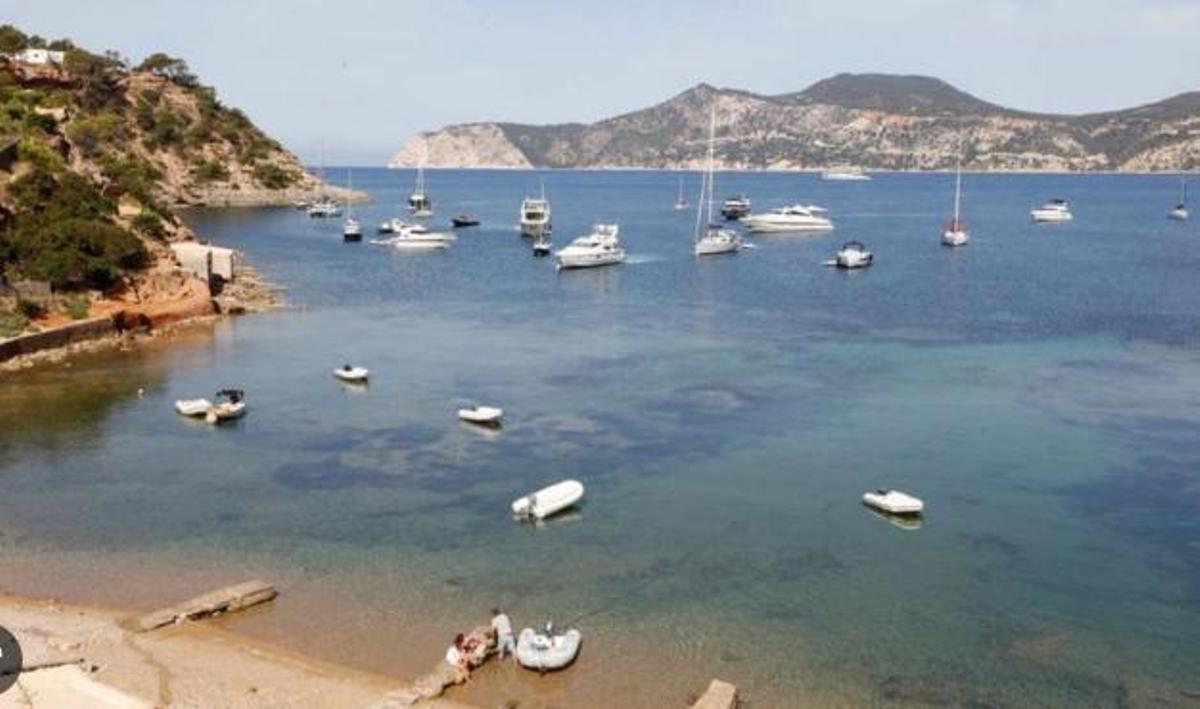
pixel 549 500
pixel 1056 210
pixel 894 502
pixel 485 415
pixel 854 255
pixel 710 238
pixel 354 375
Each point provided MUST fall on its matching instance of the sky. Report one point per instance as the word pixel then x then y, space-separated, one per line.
pixel 354 79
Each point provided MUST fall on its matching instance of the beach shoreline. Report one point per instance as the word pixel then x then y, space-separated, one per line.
pixel 83 656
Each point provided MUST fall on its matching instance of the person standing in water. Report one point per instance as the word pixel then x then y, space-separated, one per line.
pixel 502 630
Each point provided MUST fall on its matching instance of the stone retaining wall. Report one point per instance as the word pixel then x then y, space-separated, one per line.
pixel 58 337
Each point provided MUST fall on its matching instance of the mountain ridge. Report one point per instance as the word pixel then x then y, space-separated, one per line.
pixel 875 121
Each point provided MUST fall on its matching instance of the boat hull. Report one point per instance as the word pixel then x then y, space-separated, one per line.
pixel 955 238
pixel 483 415
pixel 577 261
pixel 894 502
pixel 852 261
pixel 549 500
pixel 536 651
pixel 714 247
pixel 759 226
pixel 1049 216
pixel 535 229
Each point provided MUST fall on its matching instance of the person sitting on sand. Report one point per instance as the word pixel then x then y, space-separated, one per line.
pixel 456 657
pixel 502 633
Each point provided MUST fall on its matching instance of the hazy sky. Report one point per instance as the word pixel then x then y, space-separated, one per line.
pixel 363 75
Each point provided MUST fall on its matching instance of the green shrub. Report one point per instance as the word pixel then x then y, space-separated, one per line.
pixel 46 196
pixel 210 171
pixel 169 67
pixel 42 156
pixel 273 177
pixel 77 308
pixel 93 133
pixel 12 324
pixel 133 174
pixel 76 253
pixel 151 225
pixel 30 308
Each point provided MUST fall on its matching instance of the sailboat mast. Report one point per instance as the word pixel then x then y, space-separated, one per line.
pixel 712 137
pixel 350 187
pixel 957 191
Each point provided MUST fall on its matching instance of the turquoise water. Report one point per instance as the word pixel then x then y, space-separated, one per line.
pixel 1038 389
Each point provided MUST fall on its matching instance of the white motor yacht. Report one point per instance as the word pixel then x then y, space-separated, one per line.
pixel 845 174
pixel 1056 210
pixel 324 208
pixel 535 216
pixel 710 238
pixel 735 207
pixel 415 236
pixel 793 218
pixel 600 248
pixel 854 255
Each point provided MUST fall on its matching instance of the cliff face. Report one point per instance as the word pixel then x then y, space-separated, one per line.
pixel 874 121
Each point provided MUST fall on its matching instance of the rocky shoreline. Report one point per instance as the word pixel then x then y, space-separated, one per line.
pixel 248 293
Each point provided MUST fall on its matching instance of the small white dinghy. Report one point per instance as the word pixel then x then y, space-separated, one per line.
pixel 894 502
pixel 193 407
pixel 546 651
pixel 549 500
pixel 354 375
pixel 485 415
pixel 232 406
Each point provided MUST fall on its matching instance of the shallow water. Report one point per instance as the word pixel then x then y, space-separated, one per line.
pixel 1038 389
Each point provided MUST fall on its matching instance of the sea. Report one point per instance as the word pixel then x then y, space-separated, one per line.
pixel 1039 389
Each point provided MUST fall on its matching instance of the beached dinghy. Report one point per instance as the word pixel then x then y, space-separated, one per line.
pixel 193 407
pixel 547 651
pixel 894 502
pixel 549 500
pixel 486 415
pixel 354 375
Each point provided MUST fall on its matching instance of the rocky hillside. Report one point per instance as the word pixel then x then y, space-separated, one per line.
pixel 876 121
pixel 95 156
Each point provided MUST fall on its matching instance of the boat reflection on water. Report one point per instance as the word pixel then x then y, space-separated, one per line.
pixel 572 515
pixel 909 523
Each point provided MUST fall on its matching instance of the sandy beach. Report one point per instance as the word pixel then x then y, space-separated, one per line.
pixel 78 656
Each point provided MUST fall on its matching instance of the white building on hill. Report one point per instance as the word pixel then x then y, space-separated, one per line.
pixel 40 57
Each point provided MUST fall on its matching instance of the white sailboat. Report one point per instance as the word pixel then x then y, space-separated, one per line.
pixel 1180 212
pixel 419 204
pixel 681 202
pixel 351 227
pixel 955 233
pixel 710 238
pixel 323 206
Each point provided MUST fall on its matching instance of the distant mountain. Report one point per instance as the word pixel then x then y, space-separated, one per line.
pixel 876 121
